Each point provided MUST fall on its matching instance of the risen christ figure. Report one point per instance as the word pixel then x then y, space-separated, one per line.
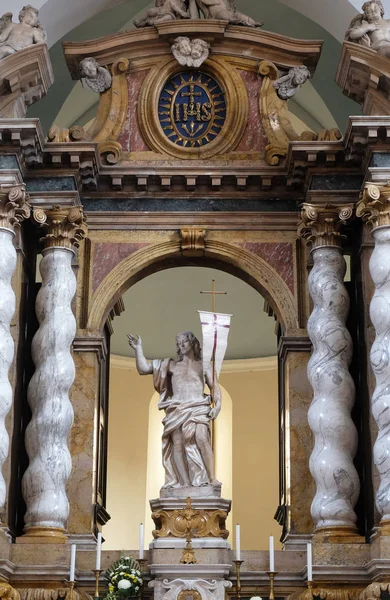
pixel 187 454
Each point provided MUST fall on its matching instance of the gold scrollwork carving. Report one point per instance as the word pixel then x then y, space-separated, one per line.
pixel 237 108
pixel 327 594
pixel 109 120
pixel 374 206
pixel 112 151
pixel 321 223
pixel 192 241
pixel 14 207
pixel 201 523
pixel 276 121
pixel 374 591
pixel 66 226
pixel 8 592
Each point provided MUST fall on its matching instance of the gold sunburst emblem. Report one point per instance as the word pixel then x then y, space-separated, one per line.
pixel 192 109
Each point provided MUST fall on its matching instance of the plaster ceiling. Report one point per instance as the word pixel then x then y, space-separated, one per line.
pixel 161 305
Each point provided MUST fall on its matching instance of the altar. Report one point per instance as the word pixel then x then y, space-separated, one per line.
pixel 263 472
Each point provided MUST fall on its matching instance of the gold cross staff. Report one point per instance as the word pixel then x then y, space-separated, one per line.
pixel 213 294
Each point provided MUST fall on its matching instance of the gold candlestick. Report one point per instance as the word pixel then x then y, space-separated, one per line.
pixel 310 587
pixel 70 585
pixel 238 564
pixel 97 577
pixel 271 575
pixel 142 564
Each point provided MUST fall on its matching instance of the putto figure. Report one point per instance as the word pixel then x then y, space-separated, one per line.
pixel 97 78
pixel 288 85
pixel 190 53
pixel 17 36
pixel 223 9
pixel 186 448
pixel 370 28
pixel 165 10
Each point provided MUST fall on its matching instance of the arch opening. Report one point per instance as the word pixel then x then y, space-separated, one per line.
pixel 159 306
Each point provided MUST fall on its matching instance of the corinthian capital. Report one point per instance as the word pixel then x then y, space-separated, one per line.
pixel 65 227
pixel 13 206
pixel 321 224
pixel 374 207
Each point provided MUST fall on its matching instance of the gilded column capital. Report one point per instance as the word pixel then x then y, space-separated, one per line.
pixel 321 224
pixel 14 207
pixel 374 206
pixel 66 227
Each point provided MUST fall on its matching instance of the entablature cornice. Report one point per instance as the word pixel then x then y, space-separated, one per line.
pixel 150 43
pixel 363 151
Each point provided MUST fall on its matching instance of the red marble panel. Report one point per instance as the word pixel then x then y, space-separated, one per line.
pixel 253 139
pixel 279 255
pixel 130 137
pixel 106 256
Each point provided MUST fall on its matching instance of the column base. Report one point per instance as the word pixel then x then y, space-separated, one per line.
pixel 338 534
pixel 384 528
pixel 43 535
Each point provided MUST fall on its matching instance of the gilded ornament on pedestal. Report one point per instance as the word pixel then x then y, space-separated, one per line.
pixel 204 523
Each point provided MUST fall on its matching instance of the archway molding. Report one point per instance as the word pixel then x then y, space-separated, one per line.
pixel 221 255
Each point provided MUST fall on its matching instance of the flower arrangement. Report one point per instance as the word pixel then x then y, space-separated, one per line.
pixel 123 579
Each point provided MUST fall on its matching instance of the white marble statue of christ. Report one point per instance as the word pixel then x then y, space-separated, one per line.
pixel 186 444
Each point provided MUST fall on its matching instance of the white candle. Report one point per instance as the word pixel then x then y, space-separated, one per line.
pixel 238 543
pixel 72 562
pixel 99 551
pixel 141 541
pixel 309 562
pixel 271 554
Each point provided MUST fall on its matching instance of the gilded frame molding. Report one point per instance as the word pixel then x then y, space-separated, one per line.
pixel 237 109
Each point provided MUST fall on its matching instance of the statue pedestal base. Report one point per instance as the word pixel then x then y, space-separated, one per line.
pixel 191 491
pixel 206 514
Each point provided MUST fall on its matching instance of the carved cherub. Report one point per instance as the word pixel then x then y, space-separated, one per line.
pixel 370 28
pixel 165 10
pixel 97 78
pixel 17 36
pixel 288 85
pixel 190 53
pixel 223 9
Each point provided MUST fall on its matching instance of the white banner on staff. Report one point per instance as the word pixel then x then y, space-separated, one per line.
pixel 215 330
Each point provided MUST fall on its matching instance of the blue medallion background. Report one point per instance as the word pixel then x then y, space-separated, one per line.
pixel 206 131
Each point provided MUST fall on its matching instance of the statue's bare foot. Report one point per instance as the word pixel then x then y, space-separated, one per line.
pixel 215 483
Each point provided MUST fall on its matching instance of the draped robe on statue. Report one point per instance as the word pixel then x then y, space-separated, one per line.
pixel 184 415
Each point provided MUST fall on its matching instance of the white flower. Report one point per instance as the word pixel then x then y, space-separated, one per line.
pixel 123 584
pixel 136 589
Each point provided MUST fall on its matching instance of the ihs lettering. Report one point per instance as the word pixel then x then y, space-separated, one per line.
pixel 200 112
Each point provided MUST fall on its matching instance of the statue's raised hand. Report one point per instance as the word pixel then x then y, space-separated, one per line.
pixel 134 341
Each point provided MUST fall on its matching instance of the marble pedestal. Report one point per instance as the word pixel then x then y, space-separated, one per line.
pixel 207 578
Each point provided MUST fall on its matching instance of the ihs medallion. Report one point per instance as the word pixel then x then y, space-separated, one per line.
pixel 192 109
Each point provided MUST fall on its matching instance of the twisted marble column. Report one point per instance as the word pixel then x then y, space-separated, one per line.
pixel 375 208
pixel 13 209
pixel 44 482
pixel 335 435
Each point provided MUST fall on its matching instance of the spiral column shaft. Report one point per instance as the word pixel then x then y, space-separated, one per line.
pixel 13 209
pixel 375 208
pixel 44 482
pixel 335 435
